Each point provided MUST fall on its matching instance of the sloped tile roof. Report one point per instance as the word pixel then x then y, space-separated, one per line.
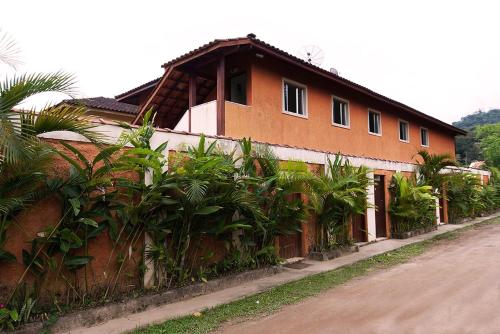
pixel 105 103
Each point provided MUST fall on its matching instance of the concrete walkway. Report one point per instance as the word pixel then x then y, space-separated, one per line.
pixel 186 307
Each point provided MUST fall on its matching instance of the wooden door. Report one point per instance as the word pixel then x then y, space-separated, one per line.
pixel 441 210
pixel 380 206
pixel 289 245
pixel 359 231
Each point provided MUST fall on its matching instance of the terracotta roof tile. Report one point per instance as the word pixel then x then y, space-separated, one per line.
pixel 105 103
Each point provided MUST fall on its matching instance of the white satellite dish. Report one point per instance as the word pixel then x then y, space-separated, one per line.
pixel 312 54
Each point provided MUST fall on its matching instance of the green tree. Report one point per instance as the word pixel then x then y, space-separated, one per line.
pixel 429 169
pixel 24 157
pixel 344 194
pixel 489 141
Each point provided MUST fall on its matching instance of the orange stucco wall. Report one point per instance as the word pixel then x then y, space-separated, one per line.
pixel 265 121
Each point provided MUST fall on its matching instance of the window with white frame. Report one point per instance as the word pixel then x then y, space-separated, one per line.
pixel 374 122
pixel 424 137
pixel 294 98
pixel 404 131
pixel 340 112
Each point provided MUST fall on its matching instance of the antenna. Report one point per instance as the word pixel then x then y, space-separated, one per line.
pixel 312 54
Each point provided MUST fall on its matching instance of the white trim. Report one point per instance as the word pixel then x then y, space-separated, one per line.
pixel 305 99
pixel 179 140
pixel 407 130
pixel 371 223
pixel 379 125
pixel 428 137
pixel 348 126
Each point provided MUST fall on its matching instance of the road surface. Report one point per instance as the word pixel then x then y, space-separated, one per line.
pixel 452 288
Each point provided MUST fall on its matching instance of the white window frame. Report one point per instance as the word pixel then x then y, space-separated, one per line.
pixel 428 137
pixel 407 130
pixel 380 122
pixel 304 100
pixel 348 126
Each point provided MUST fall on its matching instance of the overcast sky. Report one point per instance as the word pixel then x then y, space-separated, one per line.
pixel 440 57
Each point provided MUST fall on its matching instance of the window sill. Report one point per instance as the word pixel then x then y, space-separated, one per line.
pixel 404 141
pixel 427 146
pixel 375 134
pixel 294 114
pixel 342 126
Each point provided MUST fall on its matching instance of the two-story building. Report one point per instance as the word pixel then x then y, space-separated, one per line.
pixel 244 87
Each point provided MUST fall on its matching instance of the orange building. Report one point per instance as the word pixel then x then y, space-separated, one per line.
pixel 244 87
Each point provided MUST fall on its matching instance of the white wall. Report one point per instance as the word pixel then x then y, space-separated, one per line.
pixel 203 119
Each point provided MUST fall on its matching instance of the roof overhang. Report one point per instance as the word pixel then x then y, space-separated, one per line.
pixel 254 43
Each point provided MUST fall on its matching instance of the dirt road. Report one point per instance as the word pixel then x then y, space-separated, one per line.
pixel 452 288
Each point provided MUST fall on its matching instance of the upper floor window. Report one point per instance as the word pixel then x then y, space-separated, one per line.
pixel 340 113
pixel 424 137
pixel 238 89
pixel 404 131
pixel 374 122
pixel 294 98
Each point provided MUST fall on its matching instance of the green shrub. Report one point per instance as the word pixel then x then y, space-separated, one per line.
pixel 412 206
pixel 467 197
pixel 343 194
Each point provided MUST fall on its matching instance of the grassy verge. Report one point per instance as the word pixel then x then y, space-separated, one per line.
pixel 269 301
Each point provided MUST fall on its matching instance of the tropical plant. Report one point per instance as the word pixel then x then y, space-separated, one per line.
pixel 412 206
pixel 24 157
pixel 465 196
pixel 344 194
pixel 429 170
pixel 285 190
pixel 8 318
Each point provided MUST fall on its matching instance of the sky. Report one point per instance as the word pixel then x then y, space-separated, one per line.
pixel 440 57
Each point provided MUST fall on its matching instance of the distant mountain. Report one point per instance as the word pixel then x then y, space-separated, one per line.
pixel 467 147
pixel 478 118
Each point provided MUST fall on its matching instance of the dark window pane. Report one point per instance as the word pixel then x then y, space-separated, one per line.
pixel 300 100
pixel 403 131
pixel 336 112
pixel 238 89
pixel 292 99
pixel 425 137
pixel 374 122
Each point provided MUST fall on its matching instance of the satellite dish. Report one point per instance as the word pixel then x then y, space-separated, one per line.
pixel 312 54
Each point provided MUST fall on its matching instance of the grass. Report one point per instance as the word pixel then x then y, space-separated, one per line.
pixel 290 293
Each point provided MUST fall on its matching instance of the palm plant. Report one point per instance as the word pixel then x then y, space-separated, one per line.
pixel 281 190
pixel 23 156
pixel 412 206
pixel 344 194
pixel 429 170
pixel 465 196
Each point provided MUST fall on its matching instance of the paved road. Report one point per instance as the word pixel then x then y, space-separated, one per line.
pixel 453 288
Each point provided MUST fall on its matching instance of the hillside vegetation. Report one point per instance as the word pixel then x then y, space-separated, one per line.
pixel 483 140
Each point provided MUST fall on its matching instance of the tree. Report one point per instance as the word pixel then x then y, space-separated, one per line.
pixel 489 141
pixel 429 170
pixel 24 157
pixel 344 194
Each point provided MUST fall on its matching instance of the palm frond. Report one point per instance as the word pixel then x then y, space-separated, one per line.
pixel 18 88
pixel 9 52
